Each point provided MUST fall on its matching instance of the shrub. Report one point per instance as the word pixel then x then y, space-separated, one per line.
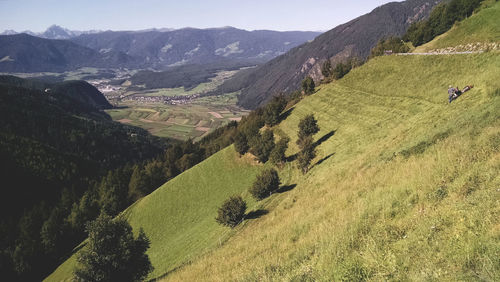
pixel 308 85
pixel 277 156
pixel 231 212
pixel 308 126
pixel 395 44
pixel 262 145
pixel 273 109
pixel 241 143
pixel 266 183
pixel 307 154
pixel 326 68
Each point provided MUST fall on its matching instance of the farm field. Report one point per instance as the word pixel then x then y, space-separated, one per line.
pixel 181 121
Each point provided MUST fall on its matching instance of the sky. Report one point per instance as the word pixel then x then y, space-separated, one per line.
pixel 318 15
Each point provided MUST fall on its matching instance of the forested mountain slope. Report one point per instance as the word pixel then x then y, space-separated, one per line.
pixel 55 145
pixel 26 53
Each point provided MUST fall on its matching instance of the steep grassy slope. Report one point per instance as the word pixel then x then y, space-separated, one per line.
pixel 405 189
pixel 179 217
pixel 482 27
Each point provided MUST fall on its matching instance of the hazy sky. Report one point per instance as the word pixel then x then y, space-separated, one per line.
pixel 37 15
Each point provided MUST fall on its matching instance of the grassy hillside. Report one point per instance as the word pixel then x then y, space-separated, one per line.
pixel 482 27
pixel 179 217
pixel 406 188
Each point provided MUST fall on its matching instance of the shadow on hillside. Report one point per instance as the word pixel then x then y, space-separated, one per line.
pixel 286 114
pixel 323 159
pixel 315 144
pixel 285 188
pixel 120 107
pixel 324 138
pixel 256 214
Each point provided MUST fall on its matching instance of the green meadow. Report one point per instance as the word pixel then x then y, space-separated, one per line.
pixel 405 186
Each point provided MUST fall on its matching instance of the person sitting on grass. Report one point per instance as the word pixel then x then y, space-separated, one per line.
pixel 454 93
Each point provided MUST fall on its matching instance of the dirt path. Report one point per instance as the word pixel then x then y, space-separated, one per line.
pixel 216 114
pixel 438 53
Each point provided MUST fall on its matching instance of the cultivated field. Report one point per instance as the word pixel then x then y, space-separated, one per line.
pixel 181 121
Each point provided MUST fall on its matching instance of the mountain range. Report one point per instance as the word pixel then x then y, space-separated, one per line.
pixel 355 38
pixel 52 32
pixel 158 49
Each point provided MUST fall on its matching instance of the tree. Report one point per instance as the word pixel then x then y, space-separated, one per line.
pixel 241 143
pixel 395 44
pixel 232 211
pixel 266 183
pixel 277 156
pixel 262 145
pixel 308 126
pixel 82 212
pixel 112 253
pixel 308 85
pixel 307 154
pixel 273 109
pixel 138 186
pixel 326 68
pixel 341 69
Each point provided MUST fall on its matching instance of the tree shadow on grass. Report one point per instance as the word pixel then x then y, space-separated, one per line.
pixel 315 144
pixel 256 214
pixel 323 159
pixel 285 114
pixel 324 138
pixel 285 188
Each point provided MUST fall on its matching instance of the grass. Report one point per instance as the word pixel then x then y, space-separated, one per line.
pixel 481 27
pixel 370 210
pixel 179 217
pixel 405 187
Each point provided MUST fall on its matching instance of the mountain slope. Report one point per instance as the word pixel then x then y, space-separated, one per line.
pixel 196 46
pixel 179 216
pixel 59 139
pixel 26 53
pixel 355 38
pixel 480 31
pixel 404 186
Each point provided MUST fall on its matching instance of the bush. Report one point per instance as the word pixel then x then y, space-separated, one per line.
pixel 395 44
pixel 266 183
pixel 273 109
pixel 308 126
pixel 341 69
pixel 308 85
pixel 307 154
pixel 112 253
pixel 241 143
pixel 231 212
pixel 262 145
pixel 277 156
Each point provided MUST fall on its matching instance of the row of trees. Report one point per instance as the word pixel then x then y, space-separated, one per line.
pixel 232 211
